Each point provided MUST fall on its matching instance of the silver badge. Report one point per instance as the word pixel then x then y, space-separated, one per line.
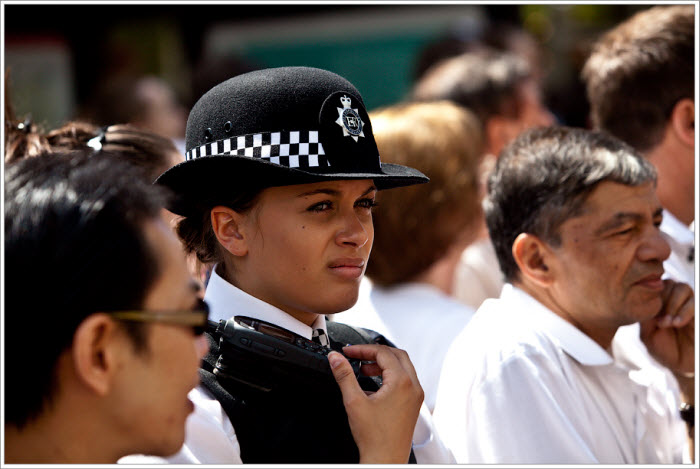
pixel 349 119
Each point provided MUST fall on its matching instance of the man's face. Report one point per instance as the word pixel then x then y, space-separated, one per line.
pixel 608 267
pixel 152 390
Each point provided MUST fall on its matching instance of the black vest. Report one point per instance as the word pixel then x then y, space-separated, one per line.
pixel 298 421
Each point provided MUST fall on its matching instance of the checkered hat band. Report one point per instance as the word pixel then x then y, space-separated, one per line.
pixel 294 149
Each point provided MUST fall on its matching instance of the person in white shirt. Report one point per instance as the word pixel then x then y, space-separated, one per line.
pixel 421 231
pixel 622 76
pixel 277 193
pixel 536 376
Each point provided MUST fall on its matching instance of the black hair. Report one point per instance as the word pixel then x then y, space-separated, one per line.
pixel 484 80
pixel 543 178
pixel 74 245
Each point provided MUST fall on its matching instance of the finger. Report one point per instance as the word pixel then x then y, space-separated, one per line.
pixel 364 352
pixel 385 358
pixel 345 377
pixel 406 363
pixel 389 364
pixel 371 369
pixel 678 307
pixel 686 313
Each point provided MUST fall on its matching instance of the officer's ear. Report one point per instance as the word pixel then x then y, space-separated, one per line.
pixel 228 226
pixel 683 121
pixel 532 256
pixel 96 352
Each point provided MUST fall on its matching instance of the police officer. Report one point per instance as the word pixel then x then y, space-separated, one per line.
pixel 276 194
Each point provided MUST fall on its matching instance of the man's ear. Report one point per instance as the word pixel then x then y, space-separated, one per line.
pixel 94 355
pixel 531 255
pixel 683 121
pixel 227 226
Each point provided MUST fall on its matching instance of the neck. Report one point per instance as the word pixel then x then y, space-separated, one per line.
pixel 57 440
pixel 601 333
pixel 228 273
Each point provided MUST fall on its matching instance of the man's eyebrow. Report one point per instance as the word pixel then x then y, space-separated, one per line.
pixel 617 220
pixel 624 217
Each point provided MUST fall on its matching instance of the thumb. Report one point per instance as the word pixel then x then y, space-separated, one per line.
pixel 345 376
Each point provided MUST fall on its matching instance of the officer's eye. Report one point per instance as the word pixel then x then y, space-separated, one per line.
pixel 321 206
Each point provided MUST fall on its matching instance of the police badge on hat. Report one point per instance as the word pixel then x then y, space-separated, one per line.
pixel 349 119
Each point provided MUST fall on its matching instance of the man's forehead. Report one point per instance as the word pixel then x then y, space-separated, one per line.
pixel 611 200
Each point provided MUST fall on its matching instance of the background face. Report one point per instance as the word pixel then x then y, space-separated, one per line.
pixel 609 264
pixel 308 246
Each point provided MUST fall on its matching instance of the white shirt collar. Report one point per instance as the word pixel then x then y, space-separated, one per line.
pixel 573 341
pixel 677 230
pixel 226 300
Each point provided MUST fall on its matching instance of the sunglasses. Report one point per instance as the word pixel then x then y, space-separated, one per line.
pixel 196 318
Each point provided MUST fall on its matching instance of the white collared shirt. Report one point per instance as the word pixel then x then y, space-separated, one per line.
pixel 521 385
pixel 679 265
pixel 226 301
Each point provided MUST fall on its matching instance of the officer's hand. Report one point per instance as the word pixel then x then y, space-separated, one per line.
pixel 670 335
pixel 382 423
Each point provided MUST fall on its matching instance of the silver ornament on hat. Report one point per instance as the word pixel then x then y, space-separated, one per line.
pixel 349 119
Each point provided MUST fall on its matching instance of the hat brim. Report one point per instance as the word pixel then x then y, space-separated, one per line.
pixel 199 183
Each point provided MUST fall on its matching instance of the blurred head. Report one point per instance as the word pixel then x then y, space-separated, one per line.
pixel 83 240
pixel 638 72
pixel 147 102
pixel 497 86
pixel 419 225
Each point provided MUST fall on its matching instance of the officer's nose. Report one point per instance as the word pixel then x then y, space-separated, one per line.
pixel 353 231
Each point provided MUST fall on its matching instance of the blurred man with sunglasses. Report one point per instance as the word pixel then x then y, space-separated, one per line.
pixel 102 332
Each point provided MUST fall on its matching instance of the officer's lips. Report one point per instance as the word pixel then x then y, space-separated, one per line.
pixel 348 268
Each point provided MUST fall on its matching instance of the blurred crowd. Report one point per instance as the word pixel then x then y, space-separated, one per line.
pixel 485 282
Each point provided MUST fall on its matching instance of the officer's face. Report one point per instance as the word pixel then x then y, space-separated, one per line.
pixel 153 386
pixel 308 246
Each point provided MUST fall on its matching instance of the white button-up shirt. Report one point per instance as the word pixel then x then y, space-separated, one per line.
pixel 679 265
pixel 520 385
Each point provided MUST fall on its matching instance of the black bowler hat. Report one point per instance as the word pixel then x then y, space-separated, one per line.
pixel 278 127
